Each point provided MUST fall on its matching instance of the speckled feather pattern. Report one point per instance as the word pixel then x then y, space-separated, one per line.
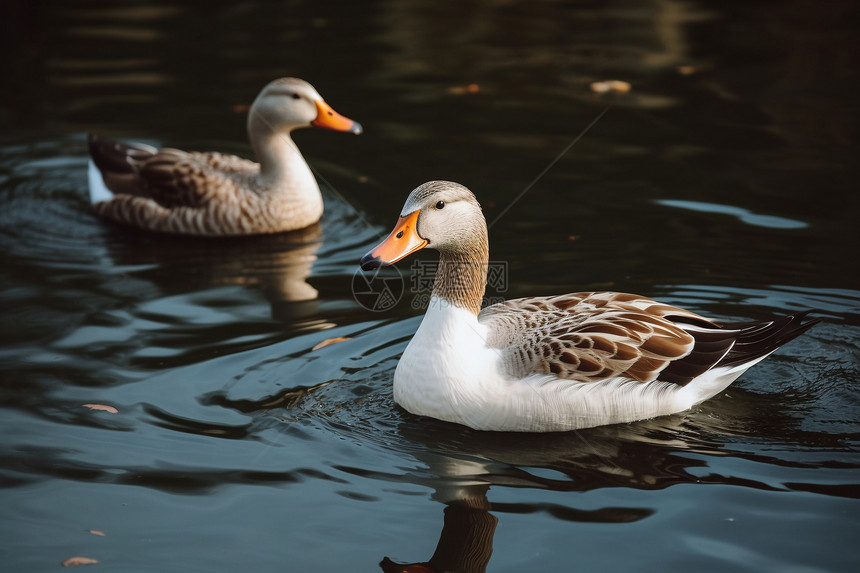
pixel 588 336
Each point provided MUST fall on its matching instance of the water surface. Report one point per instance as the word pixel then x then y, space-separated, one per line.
pixel 722 182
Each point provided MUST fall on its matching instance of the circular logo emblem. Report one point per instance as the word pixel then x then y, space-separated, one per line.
pixel 377 290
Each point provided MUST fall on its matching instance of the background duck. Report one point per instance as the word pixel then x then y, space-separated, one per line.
pixel 551 363
pixel 213 194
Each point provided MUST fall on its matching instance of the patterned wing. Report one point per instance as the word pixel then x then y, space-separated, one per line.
pixel 174 178
pixel 589 337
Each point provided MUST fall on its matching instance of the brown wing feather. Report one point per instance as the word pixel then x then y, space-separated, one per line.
pixel 170 177
pixel 174 178
pixel 590 336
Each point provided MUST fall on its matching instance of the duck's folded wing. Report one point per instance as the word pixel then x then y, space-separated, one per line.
pixel 589 337
pixel 170 177
pixel 175 178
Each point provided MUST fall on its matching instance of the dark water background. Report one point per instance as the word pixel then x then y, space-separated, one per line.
pixel 725 181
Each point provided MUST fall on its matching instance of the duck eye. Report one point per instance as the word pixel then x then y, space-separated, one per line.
pixel 440 205
pixel 296 96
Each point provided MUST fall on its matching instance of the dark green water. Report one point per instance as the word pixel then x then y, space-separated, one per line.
pixel 725 181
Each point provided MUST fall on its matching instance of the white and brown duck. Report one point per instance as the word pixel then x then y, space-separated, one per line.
pixel 214 194
pixel 551 363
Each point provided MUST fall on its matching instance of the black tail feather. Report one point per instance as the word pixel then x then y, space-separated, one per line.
pixel 734 344
pixel 709 348
pixel 759 340
pixel 111 156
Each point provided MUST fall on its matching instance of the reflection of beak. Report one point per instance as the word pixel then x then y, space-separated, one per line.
pixel 403 240
pixel 330 119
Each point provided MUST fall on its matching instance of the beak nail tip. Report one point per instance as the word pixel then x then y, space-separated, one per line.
pixel 369 263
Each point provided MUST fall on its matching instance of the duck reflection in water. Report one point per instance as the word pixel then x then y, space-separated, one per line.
pixel 466 464
pixel 463 466
pixel 279 265
pixel 466 542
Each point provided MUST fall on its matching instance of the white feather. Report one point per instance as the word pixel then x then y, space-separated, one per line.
pixel 98 190
pixel 712 383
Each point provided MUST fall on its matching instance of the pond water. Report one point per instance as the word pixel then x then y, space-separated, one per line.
pixel 724 181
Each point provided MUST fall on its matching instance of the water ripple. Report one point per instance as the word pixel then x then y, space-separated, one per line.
pixel 744 215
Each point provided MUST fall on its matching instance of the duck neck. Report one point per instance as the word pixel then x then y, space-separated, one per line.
pixel 462 275
pixel 282 167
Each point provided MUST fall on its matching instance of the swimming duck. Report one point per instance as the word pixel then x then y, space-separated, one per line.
pixel 550 363
pixel 213 194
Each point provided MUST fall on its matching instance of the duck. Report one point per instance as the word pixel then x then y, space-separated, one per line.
pixel 215 194
pixel 551 363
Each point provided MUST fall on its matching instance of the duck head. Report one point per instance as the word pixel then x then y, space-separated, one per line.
pixel 439 214
pixel 290 103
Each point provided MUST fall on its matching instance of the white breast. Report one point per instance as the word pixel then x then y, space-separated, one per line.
pixel 447 371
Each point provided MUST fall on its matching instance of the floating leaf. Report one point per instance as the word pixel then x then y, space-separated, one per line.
pixel 102 407
pixel 96 532
pixel 75 561
pixel 461 90
pixel 328 341
pixel 616 86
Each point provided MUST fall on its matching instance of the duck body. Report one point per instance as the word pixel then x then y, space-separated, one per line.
pixel 215 194
pixel 556 363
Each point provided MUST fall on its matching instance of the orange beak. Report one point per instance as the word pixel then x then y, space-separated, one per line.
pixel 330 119
pixel 403 240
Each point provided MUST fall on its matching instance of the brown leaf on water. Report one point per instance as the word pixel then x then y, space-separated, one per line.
pixel 607 86
pixel 687 70
pixel 102 407
pixel 97 532
pixel 328 341
pixel 74 561
pixel 461 90
pixel 240 108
